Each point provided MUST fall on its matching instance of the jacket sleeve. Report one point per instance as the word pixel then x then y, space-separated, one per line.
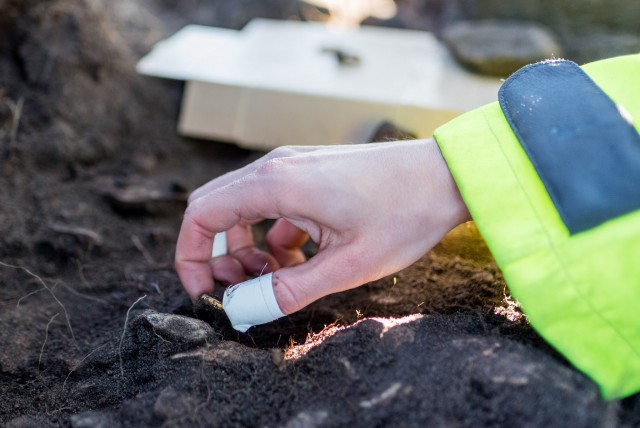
pixel 551 176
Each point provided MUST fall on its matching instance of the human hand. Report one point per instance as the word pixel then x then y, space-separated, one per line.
pixel 373 210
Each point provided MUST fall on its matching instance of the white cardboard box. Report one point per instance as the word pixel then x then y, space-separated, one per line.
pixel 280 82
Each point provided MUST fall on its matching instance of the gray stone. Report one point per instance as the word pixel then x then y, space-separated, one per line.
pixel 308 419
pixel 177 328
pixel 620 15
pixel 570 21
pixel 499 48
pixel 91 419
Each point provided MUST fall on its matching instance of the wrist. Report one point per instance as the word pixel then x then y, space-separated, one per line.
pixel 451 206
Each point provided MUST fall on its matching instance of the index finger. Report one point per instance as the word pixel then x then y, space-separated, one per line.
pixel 216 212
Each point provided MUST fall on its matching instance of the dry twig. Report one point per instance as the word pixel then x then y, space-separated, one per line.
pixel 79 364
pixel 93 236
pixel 19 302
pixel 124 330
pixel 46 336
pixel 86 296
pixel 140 246
pixel 16 113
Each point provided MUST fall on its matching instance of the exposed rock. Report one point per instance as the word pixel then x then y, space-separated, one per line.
pixel 621 15
pixel 92 419
pixel 308 419
pixel 613 23
pixel 176 328
pixel 499 48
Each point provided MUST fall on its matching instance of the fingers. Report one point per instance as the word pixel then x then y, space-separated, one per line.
pixel 193 251
pixel 227 270
pixel 284 241
pixel 220 210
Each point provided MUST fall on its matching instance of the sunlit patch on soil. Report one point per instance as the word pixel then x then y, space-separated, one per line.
pixel 389 323
pixel 465 242
pixel 510 309
pixel 295 352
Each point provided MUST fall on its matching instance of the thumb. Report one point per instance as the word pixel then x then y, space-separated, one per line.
pixel 269 297
pixel 330 271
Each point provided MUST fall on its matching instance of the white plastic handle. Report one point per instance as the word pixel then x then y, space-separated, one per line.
pixel 219 244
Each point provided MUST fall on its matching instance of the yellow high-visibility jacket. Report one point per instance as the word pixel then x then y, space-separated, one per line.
pixel 551 176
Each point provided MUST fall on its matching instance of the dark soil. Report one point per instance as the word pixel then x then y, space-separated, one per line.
pixel 95 329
